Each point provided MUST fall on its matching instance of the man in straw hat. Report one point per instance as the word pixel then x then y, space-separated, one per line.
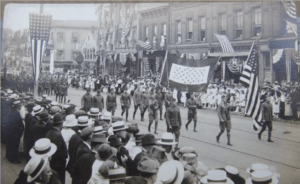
pixel 111 102
pixel 216 176
pixel 58 161
pixel 14 133
pixel 70 128
pixel 174 175
pixel 87 100
pixel 173 120
pixel 224 119
pixel 167 142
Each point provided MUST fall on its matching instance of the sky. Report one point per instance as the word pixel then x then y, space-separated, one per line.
pixel 16 16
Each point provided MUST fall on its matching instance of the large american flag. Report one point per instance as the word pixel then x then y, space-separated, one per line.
pixel 225 44
pixel 39 34
pixel 250 78
pixel 125 27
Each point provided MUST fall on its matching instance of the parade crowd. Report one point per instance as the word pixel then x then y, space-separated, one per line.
pixel 90 144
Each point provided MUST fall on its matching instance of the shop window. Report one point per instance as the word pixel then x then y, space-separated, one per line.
pixel 178 31
pixel 189 30
pixel 267 59
pixel 239 24
pixel 202 28
pixel 222 23
pixel 257 21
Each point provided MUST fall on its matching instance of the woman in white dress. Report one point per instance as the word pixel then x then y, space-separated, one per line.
pixel 237 100
pixel 175 94
pixel 242 100
pixel 183 98
pixel 275 100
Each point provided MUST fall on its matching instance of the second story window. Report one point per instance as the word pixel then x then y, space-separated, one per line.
pixel 60 36
pixel 239 24
pixel 257 21
pixel 202 28
pixel 75 37
pixel 223 23
pixel 146 32
pixel 178 31
pixel 189 30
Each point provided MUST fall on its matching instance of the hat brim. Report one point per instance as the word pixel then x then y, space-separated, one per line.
pixel 30 179
pixel 90 122
pixel 73 124
pixel 274 180
pixel 180 171
pixel 204 179
pixel 166 143
pixel 50 153
pixel 42 108
pixel 90 114
pixel 120 129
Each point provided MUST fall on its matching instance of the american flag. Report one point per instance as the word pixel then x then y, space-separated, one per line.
pixel 40 25
pixel 157 64
pixel 145 45
pixel 225 44
pixel 250 78
pixel 290 8
pixel 234 66
pixel 146 63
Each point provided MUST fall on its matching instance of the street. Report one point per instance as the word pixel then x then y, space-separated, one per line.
pixel 282 156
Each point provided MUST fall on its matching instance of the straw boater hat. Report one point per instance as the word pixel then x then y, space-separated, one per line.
pixel 174 175
pixel 99 130
pixel 184 150
pixel 43 147
pixel 84 121
pixel 94 112
pixel 257 166
pixel 71 121
pixel 119 125
pixel 262 176
pixel 34 167
pixel 37 109
pixel 106 115
pixel 167 139
pixel 118 174
pixel 216 177
pixel 53 103
pixel 45 96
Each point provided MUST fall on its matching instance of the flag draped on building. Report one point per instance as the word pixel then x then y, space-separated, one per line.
pixel 290 8
pixel 145 45
pixel 234 66
pixel 39 35
pixel 250 78
pixel 225 44
pixel 146 63
pixel 125 27
pixel 123 57
pixel 186 74
pixel 157 64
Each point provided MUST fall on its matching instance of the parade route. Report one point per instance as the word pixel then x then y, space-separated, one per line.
pixel 282 156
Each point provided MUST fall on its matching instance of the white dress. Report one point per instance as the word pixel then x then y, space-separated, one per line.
pixel 175 94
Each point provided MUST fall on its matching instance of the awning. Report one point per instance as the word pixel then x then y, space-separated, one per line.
pixel 235 54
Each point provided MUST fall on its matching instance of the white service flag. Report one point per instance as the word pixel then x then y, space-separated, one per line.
pixel 189 75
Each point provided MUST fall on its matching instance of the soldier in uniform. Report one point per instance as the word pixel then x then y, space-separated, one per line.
pixel 168 99
pixel 225 120
pixel 125 102
pixel 137 99
pixel 152 111
pixel 47 86
pixel 192 112
pixel 159 98
pixel 267 117
pixel 58 90
pixel 86 101
pixel 98 101
pixel 145 100
pixel 173 120
pixel 111 101
pixel 64 93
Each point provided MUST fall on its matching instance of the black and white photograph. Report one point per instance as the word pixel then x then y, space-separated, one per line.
pixel 150 93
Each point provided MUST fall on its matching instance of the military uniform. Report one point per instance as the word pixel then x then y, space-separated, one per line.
pixel 98 102
pixel 145 99
pixel 125 103
pixel 225 120
pixel 192 112
pixel 173 120
pixel 267 117
pixel 159 98
pixel 86 102
pixel 111 103
pixel 153 113
pixel 137 98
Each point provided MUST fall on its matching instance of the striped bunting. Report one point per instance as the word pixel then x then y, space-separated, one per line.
pixel 250 78
pixel 123 58
pixel 146 64
pixel 125 28
pixel 157 64
pixel 225 44
pixel 290 8
pixel 277 56
pixel 234 66
pixel 145 45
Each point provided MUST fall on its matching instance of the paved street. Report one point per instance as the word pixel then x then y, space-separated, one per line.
pixel 282 156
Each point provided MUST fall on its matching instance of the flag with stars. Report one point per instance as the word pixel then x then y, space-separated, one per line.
pixel 250 78
pixel 39 25
pixel 187 74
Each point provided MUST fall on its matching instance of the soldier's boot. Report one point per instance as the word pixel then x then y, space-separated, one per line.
pixel 126 116
pixel 228 140
pixel 149 126
pixel 259 135
pixel 161 115
pixel 122 113
pixel 195 125
pixel 218 138
pixel 269 136
pixel 156 123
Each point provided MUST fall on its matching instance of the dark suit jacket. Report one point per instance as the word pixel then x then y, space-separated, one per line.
pixel 267 111
pixel 58 160
pixel 82 169
pixel 38 131
pixel 74 144
pixel 82 149
pixel 135 163
pixel 223 112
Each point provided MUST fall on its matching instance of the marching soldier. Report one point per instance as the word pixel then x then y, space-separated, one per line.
pixel 137 99
pixel 125 102
pixel 111 101
pixel 86 101
pixel 225 120
pixel 173 120
pixel 168 99
pixel 145 99
pixel 192 112
pixel 98 101
pixel 64 93
pixel 159 98
pixel 153 114
pixel 267 117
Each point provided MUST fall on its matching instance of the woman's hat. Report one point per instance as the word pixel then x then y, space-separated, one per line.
pixel 257 166
pixel 106 115
pixel 167 139
pixel 99 138
pixel 117 174
pixel 119 125
pixel 94 112
pixel 158 153
pixel 148 165
pixel 71 121
pixel 184 150
pixel 262 176
pixel 37 109
pixel 43 147
pixel 114 141
pixel 84 121
pixel 34 167
pixel 98 130
pixel 134 151
pixel 105 151
pixel 216 177
pixel 148 139
pixel 174 175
